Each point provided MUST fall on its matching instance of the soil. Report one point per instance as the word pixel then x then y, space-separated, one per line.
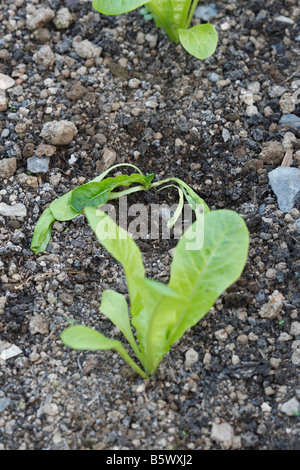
pixel 183 118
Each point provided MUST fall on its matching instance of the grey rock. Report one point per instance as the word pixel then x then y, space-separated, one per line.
pixel 59 132
pixel 226 135
pixel 86 49
pixel 39 18
pixel 291 407
pixel 44 56
pixel 38 164
pixel 213 77
pixel 290 120
pixel 272 152
pixel 222 432
pixel 6 82
pixel 18 210
pixel 4 403
pixel 63 18
pixel 205 13
pixel 285 182
pixel 3 103
pixel 8 167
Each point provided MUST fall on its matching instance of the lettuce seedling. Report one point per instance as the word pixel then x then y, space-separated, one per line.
pixel 160 314
pixel 174 17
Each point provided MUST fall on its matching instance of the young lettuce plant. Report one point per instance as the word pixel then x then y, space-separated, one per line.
pixel 174 17
pixel 160 313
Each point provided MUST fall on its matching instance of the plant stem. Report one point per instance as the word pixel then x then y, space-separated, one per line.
pixel 191 14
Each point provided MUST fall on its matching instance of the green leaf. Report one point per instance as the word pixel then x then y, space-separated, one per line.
pixel 114 306
pixel 155 320
pixel 95 194
pixel 202 275
pixel 121 246
pixel 117 7
pixel 83 338
pixel 42 232
pixel 180 11
pixel 200 40
pixel 61 208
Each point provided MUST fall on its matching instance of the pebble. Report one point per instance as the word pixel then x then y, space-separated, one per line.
pixel 18 210
pixel 287 103
pixel 38 324
pixel 6 82
pixel 273 307
pixel 191 357
pixel 4 403
pixel 45 150
pixel 222 432
pixel 3 103
pixel 59 132
pixel 63 18
pixel 205 13
pixel 151 40
pixel 85 48
pixel 290 120
pixel 221 334
pixel 109 157
pixel 39 18
pixel 291 407
pixel 285 183
pixel 272 152
pixel 226 135
pixel 3 301
pixel 66 298
pixel 295 328
pixel 10 352
pixel 8 167
pixel 38 164
pixel 44 56
pixel 134 83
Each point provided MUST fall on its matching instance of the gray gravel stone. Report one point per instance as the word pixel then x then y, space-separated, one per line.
pixel 59 132
pixel 285 182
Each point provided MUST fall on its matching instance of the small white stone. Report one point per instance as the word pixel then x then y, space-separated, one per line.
pixel 291 407
pixel 6 82
pixel 221 335
pixel 10 352
pixel 191 357
pixel 134 83
pixel 222 432
pixel 18 210
pixel 251 110
pixel 266 408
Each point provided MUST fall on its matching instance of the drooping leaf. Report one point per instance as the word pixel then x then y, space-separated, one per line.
pixel 200 40
pixel 202 275
pixel 121 246
pixel 95 194
pixel 42 232
pixel 62 209
pixel 114 306
pixel 83 338
pixel 117 7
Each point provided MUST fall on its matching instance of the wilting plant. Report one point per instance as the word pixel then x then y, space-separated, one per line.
pixel 174 17
pixel 160 313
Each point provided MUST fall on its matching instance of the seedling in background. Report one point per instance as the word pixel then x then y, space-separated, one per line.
pixel 174 17
pixel 160 313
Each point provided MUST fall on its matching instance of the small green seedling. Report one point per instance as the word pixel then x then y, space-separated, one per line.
pixel 160 313
pixel 174 17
